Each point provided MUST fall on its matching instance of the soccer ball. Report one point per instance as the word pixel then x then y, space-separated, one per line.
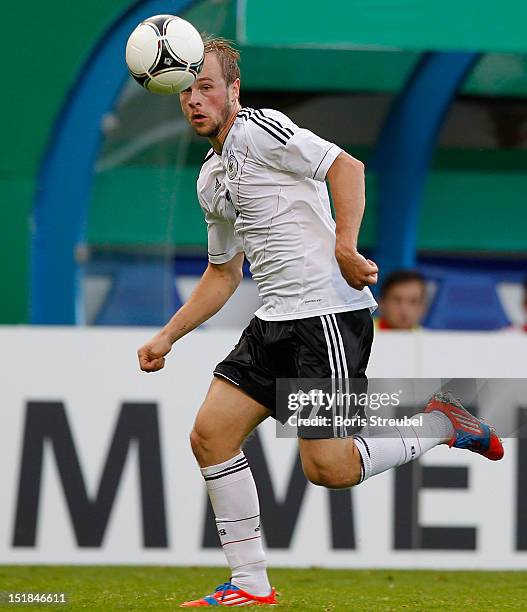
pixel 165 54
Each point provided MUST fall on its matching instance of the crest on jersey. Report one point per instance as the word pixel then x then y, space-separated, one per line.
pixel 232 166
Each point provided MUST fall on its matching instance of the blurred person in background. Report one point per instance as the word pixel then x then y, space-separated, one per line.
pixel 402 300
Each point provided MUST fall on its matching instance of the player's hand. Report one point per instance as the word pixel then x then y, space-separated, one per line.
pixel 356 269
pixel 152 354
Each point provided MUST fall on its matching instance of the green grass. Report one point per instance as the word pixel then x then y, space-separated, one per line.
pixel 163 588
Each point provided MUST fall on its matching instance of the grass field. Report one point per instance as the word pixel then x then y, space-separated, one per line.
pixel 163 588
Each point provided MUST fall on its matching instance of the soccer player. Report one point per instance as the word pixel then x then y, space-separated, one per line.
pixel 262 188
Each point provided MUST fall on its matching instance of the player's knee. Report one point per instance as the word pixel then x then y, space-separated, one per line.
pixel 201 443
pixel 210 446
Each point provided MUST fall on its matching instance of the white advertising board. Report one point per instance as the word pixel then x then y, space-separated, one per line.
pixel 96 466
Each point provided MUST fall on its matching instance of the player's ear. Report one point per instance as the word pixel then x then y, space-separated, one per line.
pixel 235 90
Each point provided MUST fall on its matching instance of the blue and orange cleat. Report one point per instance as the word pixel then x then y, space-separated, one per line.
pixel 470 432
pixel 229 595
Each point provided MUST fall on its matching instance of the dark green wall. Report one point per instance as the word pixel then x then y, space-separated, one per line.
pixel 419 25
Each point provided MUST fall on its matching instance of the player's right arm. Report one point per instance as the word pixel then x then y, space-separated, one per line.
pixel 218 283
pixel 220 279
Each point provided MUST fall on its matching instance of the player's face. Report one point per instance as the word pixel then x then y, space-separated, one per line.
pixel 209 102
pixel 404 305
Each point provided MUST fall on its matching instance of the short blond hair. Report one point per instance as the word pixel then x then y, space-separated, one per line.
pixel 227 55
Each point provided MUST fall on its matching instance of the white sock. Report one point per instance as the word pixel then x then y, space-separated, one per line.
pixel 389 447
pixel 234 499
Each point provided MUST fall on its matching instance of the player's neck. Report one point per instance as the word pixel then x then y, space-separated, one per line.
pixel 217 141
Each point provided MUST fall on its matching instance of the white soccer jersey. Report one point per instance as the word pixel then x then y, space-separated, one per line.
pixel 266 195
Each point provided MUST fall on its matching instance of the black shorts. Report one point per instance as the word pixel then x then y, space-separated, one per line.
pixel 330 346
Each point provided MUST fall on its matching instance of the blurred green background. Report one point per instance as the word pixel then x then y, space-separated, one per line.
pixel 144 192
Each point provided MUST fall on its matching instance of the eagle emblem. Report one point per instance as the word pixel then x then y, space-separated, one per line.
pixel 232 166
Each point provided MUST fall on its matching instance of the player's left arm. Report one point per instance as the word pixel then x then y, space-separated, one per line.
pixel 277 142
pixel 346 182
